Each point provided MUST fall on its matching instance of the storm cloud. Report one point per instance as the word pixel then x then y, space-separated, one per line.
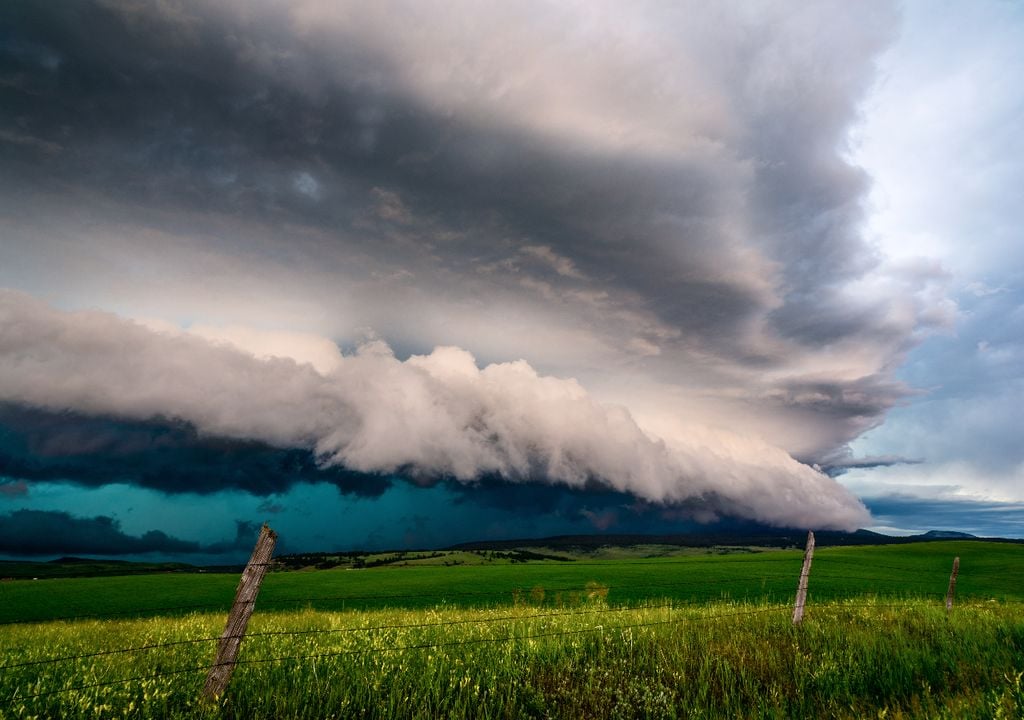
pixel 158 453
pixel 428 418
pixel 35 532
pixel 478 201
pixel 38 532
pixel 913 513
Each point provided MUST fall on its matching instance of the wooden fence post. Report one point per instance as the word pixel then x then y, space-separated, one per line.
pixel 238 619
pixel 805 571
pixel 952 584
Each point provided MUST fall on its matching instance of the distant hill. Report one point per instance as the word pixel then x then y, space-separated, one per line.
pixel 557 548
pixel 762 537
pixel 947 535
pixel 67 567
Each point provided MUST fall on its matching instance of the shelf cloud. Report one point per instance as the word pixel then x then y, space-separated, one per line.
pixel 428 418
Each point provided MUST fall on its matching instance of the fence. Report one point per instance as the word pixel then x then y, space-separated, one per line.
pixel 229 642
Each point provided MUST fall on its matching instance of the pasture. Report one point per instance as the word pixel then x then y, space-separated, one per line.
pixel 694 636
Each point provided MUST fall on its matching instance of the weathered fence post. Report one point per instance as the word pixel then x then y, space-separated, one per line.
pixel 801 591
pixel 238 619
pixel 952 584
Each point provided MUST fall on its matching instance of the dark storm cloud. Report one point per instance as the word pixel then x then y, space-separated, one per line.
pixel 44 532
pixel 844 464
pixel 492 493
pixel 268 506
pixel 212 108
pixel 866 398
pixel 39 532
pixel 164 455
pixel 13 489
pixel 979 517
pixel 246 533
pixel 145 109
pixel 604 508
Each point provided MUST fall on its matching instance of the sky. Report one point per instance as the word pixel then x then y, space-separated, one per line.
pixel 407 274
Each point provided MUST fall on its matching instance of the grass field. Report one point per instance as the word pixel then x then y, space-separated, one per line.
pixel 698 636
pixel 988 570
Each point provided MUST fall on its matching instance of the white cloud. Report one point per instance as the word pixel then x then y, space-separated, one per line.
pixel 435 415
pixel 307 185
pixel 315 350
pixel 559 263
pixel 949 480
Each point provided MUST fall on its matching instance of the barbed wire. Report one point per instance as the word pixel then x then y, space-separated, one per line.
pixel 314 631
pixel 507 638
pixel 117 651
pixel 822 575
pixel 378 598
pixel 674 604
pixel 516 592
pixel 876 566
pixel 109 683
pixel 417 646
pixel 394 596
pixel 471 641
pixel 223 605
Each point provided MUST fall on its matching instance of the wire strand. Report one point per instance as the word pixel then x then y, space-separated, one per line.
pixel 454 643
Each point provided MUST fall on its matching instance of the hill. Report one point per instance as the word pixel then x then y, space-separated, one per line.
pixel 564 548
pixel 762 537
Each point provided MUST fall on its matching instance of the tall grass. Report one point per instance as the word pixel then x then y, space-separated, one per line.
pixel 850 659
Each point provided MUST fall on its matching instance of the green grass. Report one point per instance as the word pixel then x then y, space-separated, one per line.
pixel 685 636
pixel 988 570
pixel 852 659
